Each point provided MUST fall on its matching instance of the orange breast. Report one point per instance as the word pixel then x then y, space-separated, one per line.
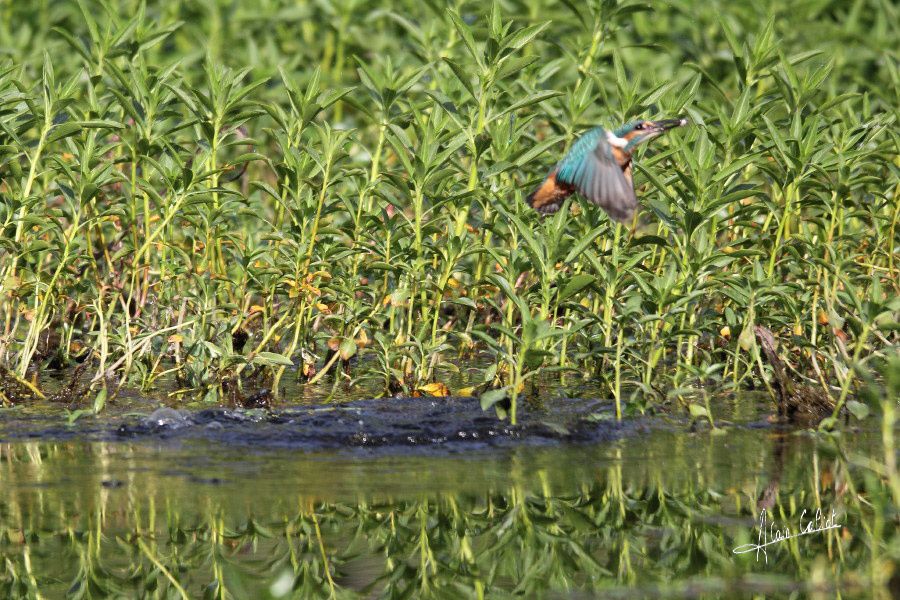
pixel 623 159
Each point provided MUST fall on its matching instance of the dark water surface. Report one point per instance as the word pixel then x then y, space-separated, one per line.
pixel 419 497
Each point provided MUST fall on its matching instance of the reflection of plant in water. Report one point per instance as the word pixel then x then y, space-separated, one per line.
pixel 617 529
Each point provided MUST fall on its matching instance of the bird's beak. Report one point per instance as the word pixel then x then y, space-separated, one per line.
pixel 667 124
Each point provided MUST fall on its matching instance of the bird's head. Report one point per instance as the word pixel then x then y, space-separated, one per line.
pixel 638 132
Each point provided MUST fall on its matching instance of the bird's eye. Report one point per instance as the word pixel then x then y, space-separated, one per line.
pixel 639 126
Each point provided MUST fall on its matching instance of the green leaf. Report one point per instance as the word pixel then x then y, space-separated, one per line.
pixel 272 359
pixel 496 19
pixel 514 65
pixel 520 38
pixel 464 301
pixel 63 131
pixel 463 77
pixel 101 124
pixel 534 358
pixel 654 240
pixel 584 242
pixel 492 397
pixel 858 409
pixel 466 34
pixel 734 166
pixel 510 292
pixel 698 411
pixel 531 100
pixel 347 349
pixel 100 400
pixel 575 284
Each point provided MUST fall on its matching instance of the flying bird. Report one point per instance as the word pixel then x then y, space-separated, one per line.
pixel 599 166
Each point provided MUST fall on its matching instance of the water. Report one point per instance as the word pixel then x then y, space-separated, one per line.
pixel 244 504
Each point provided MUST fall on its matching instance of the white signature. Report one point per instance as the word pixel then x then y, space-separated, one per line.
pixel 769 534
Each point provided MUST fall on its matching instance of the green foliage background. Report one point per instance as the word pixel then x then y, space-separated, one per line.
pixel 220 189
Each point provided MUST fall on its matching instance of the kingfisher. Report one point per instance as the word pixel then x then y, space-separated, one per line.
pixel 599 166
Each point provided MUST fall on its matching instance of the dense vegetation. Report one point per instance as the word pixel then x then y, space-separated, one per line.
pixel 231 194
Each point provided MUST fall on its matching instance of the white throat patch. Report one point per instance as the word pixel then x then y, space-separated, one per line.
pixel 616 141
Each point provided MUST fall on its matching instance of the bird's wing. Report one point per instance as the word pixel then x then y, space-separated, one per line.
pixel 599 178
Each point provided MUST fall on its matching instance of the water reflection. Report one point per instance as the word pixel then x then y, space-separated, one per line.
pixel 655 514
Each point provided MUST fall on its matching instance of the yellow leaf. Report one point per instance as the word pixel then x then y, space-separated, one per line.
pixel 437 389
pixel 176 338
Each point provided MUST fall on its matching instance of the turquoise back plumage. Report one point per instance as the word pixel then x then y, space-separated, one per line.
pixel 574 166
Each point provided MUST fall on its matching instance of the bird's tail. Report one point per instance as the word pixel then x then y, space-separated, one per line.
pixel 549 196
